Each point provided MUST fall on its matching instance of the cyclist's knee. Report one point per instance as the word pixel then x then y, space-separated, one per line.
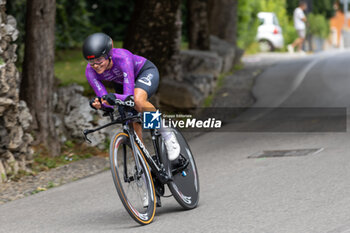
pixel 139 104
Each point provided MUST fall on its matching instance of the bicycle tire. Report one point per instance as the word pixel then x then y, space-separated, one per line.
pixel 185 189
pixel 121 151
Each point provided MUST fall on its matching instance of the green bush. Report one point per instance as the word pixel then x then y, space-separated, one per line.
pixel 73 23
pixel 248 21
pixel 318 25
pixel 289 33
pixel 112 17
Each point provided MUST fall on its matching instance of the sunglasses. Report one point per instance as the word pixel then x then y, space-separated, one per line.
pixel 97 61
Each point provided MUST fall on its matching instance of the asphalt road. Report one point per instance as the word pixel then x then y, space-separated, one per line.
pixel 302 194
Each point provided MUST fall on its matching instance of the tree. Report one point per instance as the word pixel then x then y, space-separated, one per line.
pixel 38 70
pixel 103 15
pixel 324 7
pixel 73 23
pixel 198 25
pixel 223 19
pixel 155 33
pixel 247 22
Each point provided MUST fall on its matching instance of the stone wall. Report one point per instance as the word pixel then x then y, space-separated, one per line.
pixel 73 114
pixel 15 119
pixel 200 70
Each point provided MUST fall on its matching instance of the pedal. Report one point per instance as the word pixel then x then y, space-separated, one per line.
pixel 159 188
pixel 179 165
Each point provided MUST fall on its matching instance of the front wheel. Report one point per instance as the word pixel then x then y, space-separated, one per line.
pixel 132 179
pixel 266 46
pixel 185 184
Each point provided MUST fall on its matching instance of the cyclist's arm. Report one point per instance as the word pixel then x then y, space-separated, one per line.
pixel 96 85
pixel 127 67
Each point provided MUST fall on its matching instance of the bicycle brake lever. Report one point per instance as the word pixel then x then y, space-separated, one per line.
pixel 86 132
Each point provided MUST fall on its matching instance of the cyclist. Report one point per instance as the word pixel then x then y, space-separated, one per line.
pixel 131 75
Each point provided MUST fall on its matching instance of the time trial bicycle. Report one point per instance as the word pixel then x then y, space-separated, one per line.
pixel 140 177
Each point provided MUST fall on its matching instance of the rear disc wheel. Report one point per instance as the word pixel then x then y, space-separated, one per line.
pixel 185 184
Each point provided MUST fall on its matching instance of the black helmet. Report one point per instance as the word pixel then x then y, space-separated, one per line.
pixel 97 45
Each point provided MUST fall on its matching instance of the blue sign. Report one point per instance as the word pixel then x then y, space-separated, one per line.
pixel 151 120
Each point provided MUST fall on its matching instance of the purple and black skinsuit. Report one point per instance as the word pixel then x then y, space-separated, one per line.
pixel 126 66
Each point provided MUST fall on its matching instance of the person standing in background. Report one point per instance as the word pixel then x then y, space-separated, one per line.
pixel 300 26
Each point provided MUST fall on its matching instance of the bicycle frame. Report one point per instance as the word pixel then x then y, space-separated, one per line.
pixel 158 170
pixel 134 139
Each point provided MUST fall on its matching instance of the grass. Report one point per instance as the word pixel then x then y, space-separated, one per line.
pixel 70 68
pixel 71 152
pixel 49 185
pixel 107 143
pixel 238 66
pixel 208 101
pixel 184 45
pixel 252 49
pixel 220 82
pixel 43 161
pixel 16 177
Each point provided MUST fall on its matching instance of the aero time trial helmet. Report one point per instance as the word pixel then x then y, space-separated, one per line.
pixel 97 45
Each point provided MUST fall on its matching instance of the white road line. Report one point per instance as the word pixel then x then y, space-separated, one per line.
pixel 296 83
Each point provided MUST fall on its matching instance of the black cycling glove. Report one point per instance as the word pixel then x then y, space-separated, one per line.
pixel 93 101
pixel 110 98
pixel 129 101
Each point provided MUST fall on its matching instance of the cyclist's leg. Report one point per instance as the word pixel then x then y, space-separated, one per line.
pixel 141 104
pixel 138 129
pixel 141 101
pixel 146 85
